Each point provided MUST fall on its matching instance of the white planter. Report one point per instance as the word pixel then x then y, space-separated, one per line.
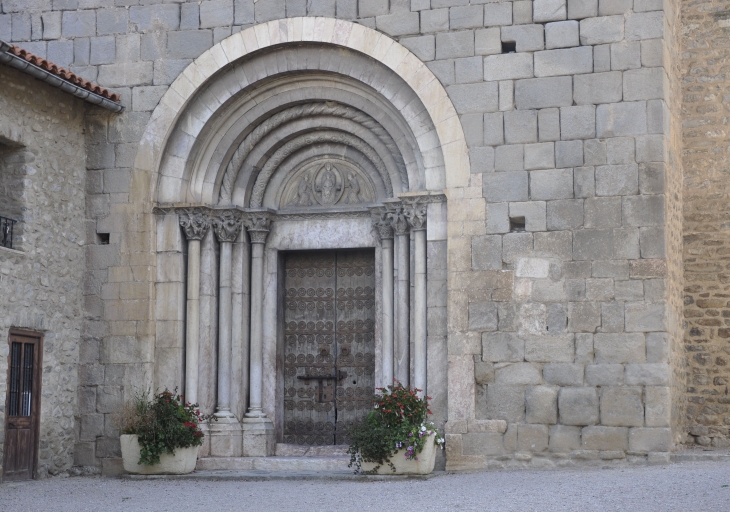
pixel 403 466
pixel 181 462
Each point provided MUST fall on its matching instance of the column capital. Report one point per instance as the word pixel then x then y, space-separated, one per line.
pixel 415 211
pixel 397 218
pixel 258 226
pixel 195 222
pixel 382 223
pixel 226 224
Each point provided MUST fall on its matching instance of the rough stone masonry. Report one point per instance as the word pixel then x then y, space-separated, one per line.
pixel 586 291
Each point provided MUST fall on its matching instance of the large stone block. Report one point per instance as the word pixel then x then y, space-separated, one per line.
pixel 658 402
pixel 617 180
pixel 482 443
pixel 505 186
pixel 601 30
pixel 502 347
pixel 496 14
pixel 451 45
pixel 487 252
pixel 565 214
pixel 399 24
pixel 619 348
pixel 505 403
pixel 550 349
pixel 648 374
pixel 540 156
pixel 593 244
pixel 645 440
pixel 520 126
pixel 548 121
pixel 509 158
pixel 645 25
pixel 569 61
pixel 569 153
pixel 79 23
pixel 483 315
pixel 486 41
pixel 562 34
pixel 621 119
pixel 508 66
pixel 549 10
pixel 563 374
pixel 644 317
pixel 626 55
pixel 551 184
pixel 602 212
pixel 643 210
pixel 622 407
pixel 598 88
pixel 584 316
pixel 605 374
pixel 474 98
pixel 544 92
pixel 518 374
pixel 532 438
pixel 541 404
pixel 614 439
pixel 578 406
pixel 578 122
pixel 564 439
pixel 527 38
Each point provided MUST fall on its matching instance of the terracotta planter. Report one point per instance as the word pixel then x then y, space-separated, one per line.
pixel 422 466
pixel 181 462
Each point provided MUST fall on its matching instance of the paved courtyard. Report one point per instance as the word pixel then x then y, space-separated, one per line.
pixel 689 486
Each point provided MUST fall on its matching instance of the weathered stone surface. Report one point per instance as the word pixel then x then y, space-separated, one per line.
pixel 605 438
pixel 622 407
pixel 578 406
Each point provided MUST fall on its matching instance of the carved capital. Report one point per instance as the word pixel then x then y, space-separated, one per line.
pixel 381 222
pixel 399 221
pixel 227 225
pixel 415 211
pixel 195 223
pixel 258 226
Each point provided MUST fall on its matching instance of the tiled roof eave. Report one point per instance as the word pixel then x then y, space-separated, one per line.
pixel 58 77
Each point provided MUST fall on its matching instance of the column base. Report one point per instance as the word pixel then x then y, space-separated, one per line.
pixel 205 447
pixel 259 439
pixel 225 437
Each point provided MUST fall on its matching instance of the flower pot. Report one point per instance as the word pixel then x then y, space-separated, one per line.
pixel 403 466
pixel 179 463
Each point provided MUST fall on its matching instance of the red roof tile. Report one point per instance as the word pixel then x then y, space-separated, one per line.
pixel 64 73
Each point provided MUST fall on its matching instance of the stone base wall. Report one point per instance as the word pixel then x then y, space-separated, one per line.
pixel 42 148
pixel 706 221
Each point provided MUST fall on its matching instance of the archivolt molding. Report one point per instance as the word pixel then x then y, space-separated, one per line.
pixel 326 31
pixel 257 194
pixel 302 111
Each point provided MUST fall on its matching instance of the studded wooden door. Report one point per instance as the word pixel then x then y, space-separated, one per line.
pixel 329 323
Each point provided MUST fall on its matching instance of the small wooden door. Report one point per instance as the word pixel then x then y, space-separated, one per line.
pixel 22 406
pixel 329 321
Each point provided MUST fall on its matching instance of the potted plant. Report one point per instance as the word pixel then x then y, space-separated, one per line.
pixel 395 437
pixel 160 435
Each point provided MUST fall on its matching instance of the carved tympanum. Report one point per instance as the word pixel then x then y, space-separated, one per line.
pixel 327 184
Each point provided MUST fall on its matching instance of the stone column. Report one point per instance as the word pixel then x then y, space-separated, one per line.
pixel 225 438
pixel 258 430
pixel 402 347
pixel 416 214
pixel 195 223
pixel 385 230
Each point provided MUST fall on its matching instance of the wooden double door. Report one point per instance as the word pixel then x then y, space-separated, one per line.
pixel 22 406
pixel 329 327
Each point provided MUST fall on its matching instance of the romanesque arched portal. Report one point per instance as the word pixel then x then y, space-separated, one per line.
pixel 306 162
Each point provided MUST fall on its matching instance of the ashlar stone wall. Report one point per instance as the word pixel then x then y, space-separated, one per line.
pixel 42 169
pixel 562 310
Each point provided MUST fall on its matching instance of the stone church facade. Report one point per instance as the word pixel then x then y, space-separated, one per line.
pixel 517 207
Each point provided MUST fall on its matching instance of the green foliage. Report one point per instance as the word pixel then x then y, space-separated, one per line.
pixel 162 424
pixel 397 421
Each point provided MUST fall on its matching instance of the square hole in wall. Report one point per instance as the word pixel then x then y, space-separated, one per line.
pixel 509 46
pixel 516 224
pixel 102 238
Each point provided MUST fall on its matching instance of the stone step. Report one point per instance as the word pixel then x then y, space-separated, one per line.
pixel 278 464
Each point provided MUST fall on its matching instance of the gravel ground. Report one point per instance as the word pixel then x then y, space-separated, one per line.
pixel 689 486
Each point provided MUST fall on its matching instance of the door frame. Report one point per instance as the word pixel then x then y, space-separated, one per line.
pixel 36 400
